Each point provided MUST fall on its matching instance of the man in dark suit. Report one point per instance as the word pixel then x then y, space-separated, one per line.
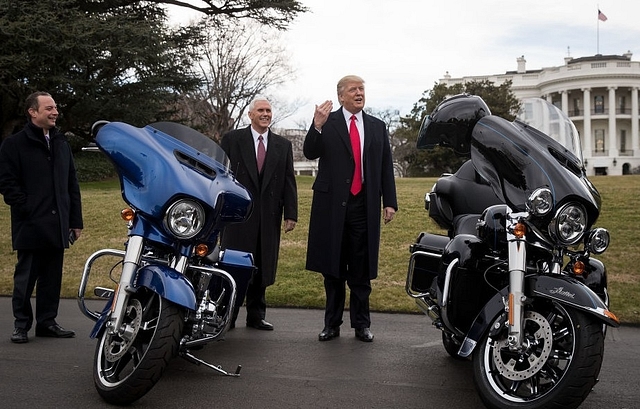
pixel 263 163
pixel 38 180
pixel 355 174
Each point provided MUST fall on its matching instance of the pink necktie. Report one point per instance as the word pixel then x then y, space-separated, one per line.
pixel 356 183
pixel 261 154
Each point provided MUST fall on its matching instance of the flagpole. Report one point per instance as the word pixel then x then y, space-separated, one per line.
pixel 598 32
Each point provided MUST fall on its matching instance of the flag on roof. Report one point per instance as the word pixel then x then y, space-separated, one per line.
pixel 601 16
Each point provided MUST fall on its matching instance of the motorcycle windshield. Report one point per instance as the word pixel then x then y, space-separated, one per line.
pixel 194 139
pixel 164 161
pixel 541 148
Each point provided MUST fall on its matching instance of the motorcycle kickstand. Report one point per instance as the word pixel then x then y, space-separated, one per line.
pixel 193 359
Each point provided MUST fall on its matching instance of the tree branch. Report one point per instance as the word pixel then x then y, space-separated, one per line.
pixel 275 13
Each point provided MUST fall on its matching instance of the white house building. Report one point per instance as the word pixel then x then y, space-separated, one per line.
pixel 600 95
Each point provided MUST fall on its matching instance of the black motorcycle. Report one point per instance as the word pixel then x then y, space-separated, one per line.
pixel 512 285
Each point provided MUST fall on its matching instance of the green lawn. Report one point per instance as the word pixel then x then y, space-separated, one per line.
pixel 296 287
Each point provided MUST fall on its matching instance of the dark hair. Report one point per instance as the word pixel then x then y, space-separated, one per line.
pixel 32 100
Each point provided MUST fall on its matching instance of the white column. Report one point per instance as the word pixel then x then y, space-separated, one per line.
pixel 565 101
pixel 586 137
pixel 613 137
pixel 635 145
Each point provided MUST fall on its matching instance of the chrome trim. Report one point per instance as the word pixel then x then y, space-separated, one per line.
pixel 412 263
pixel 445 298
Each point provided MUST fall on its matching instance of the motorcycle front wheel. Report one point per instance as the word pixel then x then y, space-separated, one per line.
pixel 557 367
pixel 126 367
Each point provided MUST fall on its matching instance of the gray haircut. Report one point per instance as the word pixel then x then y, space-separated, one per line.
pixel 257 98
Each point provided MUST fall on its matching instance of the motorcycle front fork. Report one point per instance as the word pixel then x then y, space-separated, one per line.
pixel 517 267
pixel 131 264
pixel 125 287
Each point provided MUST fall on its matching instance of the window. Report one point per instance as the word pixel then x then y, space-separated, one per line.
pixel 622 104
pixel 576 106
pixel 598 104
pixel 599 140
pixel 623 141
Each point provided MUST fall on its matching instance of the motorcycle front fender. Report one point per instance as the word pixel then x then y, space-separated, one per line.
pixel 168 284
pixel 162 280
pixel 574 293
pixel 483 320
pixel 97 328
pixel 563 289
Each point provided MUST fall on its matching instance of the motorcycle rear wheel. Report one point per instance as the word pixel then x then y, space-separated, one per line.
pixel 124 371
pixel 558 369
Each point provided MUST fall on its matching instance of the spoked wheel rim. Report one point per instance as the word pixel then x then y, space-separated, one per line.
pixel 533 372
pixel 120 354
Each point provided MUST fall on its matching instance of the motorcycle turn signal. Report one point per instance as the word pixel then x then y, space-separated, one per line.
pixel 127 214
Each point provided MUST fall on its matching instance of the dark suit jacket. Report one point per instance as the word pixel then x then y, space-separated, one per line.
pixel 332 184
pixel 41 186
pixel 276 196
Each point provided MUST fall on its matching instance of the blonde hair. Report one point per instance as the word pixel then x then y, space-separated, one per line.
pixel 347 79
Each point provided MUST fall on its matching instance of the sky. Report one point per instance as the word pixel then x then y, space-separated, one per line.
pixel 401 48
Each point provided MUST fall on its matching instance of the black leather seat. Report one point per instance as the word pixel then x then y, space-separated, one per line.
pixel 461 199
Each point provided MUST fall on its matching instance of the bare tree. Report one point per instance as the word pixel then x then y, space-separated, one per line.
pixel 273 13
pixel 391 117
pixel 239 60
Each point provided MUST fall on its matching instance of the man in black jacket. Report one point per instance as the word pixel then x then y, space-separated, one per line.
pixel 354 183
pixel 263 162
pixel 38 180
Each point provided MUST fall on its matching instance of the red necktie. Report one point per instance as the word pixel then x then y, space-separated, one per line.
pixel 356 183
pixel 261 154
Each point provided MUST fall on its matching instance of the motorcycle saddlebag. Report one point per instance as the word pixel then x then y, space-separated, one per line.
pixel 425 261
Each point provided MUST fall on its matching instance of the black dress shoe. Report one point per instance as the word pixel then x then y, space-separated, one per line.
pixel 329 333
pixel 19 336
pixel 262 324
pixel 364 334
pixel 54 331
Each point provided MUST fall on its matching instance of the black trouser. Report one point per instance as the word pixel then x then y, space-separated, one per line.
pixel 256 303
pixel 44 268
pixel 256 300
pixel 354 270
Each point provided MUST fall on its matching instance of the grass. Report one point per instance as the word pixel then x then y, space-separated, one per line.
pixel 297 287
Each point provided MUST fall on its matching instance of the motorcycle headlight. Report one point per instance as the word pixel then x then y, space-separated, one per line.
pixel 569 223
pixel 184 218
pixel 540 202
pixel 598 240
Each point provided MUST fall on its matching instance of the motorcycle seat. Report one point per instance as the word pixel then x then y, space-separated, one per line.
pixel 465 193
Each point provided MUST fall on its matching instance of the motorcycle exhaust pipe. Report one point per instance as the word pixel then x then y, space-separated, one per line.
pixel 429 307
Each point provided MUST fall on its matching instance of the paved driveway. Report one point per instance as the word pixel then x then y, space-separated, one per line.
pixel 405 367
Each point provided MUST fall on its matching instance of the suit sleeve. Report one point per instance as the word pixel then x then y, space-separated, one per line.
pixel 313 146
pixel 10 186
pixel 290 188
pixel 75 211
pixel 225 143
pixel 389 198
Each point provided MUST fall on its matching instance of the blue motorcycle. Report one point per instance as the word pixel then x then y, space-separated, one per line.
pixel 175 289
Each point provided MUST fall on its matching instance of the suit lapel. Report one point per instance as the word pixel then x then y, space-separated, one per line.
pixel 368 134
pixel 249 154
pixel 337 120
pixel 274 151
